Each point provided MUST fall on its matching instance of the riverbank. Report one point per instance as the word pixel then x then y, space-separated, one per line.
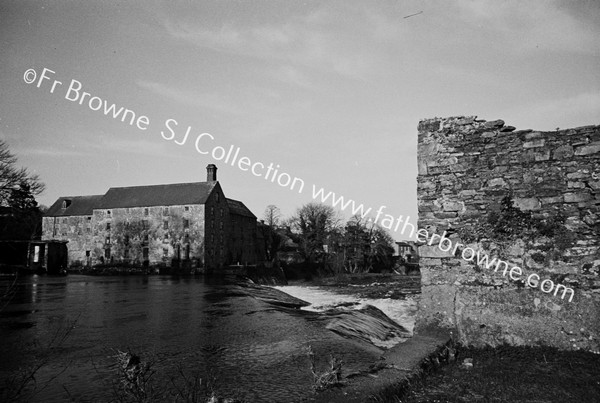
pixel 511 374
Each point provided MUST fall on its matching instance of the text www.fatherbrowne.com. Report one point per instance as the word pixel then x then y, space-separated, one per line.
pixel 204 145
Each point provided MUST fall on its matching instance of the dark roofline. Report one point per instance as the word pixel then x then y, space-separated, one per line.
pixel 171 194
pixel 80 206
pixel 245 211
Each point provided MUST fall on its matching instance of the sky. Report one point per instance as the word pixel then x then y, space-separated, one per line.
pixel 328 92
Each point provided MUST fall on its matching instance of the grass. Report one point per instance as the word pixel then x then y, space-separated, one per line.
pixel 329 378
pixel 511 374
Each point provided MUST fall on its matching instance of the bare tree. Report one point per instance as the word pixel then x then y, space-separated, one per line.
pixel 366 246
pixel 314 222
pixel 13 178
pixel 272 215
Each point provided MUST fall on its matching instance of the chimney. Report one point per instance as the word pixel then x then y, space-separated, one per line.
pixel 211 173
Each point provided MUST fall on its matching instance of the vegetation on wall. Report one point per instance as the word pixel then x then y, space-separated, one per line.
pixel 509 224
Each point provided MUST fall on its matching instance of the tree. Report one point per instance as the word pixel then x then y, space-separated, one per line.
pixel 20 217
pixel 314 222
pixel 272 215
pixel 13 178
pixel 366 246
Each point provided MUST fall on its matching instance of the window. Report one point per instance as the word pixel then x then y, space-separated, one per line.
pixel 165 225
pixel 107 240
pixel 186 223
pixel 166 211
pixel 145 239
pixel 186 208
pixel 89 218
pixel 36 254
pixel 145 224
pixel 165 252
pixel 88 230
pixel 107 253
pixel 107 212
pixel 108 226
pixel 146 212
pixel 126 240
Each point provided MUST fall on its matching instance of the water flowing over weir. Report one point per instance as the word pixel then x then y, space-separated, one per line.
pixel 383 322
pixel 247 342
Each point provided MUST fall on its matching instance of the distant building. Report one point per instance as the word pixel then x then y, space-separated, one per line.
pixel 407 250
pixel 188 224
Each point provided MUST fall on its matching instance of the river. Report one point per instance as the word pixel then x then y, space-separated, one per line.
pixel 239 346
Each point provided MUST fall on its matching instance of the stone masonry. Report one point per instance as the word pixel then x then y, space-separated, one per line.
pixel 526 197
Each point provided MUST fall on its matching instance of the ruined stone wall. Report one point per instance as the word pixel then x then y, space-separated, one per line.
pixel 527 197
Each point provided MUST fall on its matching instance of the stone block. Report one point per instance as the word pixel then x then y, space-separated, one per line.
pixel 497 182
pixel 591 148
pixel 565 151
pixel 494 124
pixel 575 185
pixel 429 125
pixel 532 135
pixel 527 203
pixel 551 200
pixel 542 155
pixel 578 175
pixel 453 206
pixel 534 143
pixel 577 197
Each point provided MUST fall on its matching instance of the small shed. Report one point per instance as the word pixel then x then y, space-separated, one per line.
pixel 33 256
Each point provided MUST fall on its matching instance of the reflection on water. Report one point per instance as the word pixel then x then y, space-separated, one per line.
pixel 243 347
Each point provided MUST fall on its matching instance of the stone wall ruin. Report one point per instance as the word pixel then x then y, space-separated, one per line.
pixel 527 197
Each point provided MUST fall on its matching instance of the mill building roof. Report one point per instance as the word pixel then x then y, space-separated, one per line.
pixel 157 195
pixel 74 206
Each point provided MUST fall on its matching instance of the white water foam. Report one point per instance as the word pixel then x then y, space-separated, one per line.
pixel 402 312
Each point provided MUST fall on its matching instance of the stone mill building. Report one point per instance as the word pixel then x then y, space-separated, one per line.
pixel 187 225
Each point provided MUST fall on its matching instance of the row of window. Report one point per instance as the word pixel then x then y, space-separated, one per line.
pixel 126 239
pixel 147 210
pixel 107 252
pixel 186 224
pixel 64 220
pixel 212 211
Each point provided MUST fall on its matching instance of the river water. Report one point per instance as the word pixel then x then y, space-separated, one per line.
pixel 239 346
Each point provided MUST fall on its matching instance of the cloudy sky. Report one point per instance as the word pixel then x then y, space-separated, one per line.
pixel 331 91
